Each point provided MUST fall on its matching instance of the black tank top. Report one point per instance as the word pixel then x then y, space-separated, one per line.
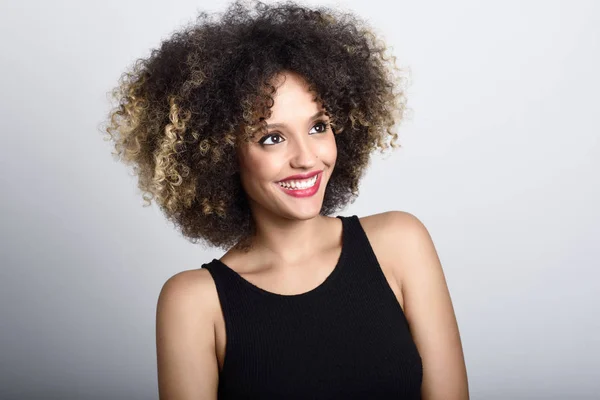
pixel 347 338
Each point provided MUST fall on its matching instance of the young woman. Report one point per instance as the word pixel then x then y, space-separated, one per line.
pixel 250 130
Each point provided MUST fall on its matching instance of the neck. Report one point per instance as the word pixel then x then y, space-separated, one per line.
pixel 287 239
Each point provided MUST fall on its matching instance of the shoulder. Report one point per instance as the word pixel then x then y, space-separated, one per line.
pixel 393 222
pixel 190 295
pixel 190 286
pixel 399 238
pixel 185 336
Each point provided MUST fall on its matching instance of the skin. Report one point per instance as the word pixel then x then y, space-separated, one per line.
pixel 294 250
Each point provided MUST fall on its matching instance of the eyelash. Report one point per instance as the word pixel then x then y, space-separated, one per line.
pixel 264 138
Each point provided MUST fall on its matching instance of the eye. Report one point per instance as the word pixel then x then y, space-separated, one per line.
pixel 263 140
pixel 323 126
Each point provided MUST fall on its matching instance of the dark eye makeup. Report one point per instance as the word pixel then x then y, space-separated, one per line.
pixel 323 124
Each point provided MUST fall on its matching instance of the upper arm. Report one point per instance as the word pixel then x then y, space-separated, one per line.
pixel 428 308
pixel 185 345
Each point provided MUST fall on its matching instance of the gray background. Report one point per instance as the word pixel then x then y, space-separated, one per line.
pixel 501 162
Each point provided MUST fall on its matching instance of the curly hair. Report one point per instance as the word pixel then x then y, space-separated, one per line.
pixel 183 110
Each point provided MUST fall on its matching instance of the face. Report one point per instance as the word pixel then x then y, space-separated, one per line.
pixel 299 141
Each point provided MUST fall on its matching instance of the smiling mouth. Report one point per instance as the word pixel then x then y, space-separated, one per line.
pixel 300 184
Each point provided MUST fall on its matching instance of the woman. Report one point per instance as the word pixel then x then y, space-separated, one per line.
pixel 249 131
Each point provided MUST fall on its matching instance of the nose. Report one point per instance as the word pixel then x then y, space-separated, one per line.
pixel 303 154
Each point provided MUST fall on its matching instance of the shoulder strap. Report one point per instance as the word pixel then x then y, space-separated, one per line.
pixel 228 289
pixel 358 242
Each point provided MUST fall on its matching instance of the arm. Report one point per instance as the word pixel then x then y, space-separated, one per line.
pixel 428 308
pixel 185 341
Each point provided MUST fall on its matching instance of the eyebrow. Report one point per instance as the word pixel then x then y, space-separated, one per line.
pixel 279 125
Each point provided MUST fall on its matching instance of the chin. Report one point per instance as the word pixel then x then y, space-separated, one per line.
pixel 306 213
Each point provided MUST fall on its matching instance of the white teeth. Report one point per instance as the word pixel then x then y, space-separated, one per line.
pixel 302 184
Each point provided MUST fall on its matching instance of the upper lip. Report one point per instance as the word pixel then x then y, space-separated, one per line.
pixel 301 176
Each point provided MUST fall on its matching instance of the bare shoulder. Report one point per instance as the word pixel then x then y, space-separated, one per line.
pixel 185 336
pixel 392 222
pixel 404 243
pixel 393 236
pixel 192 289
pixel 189 280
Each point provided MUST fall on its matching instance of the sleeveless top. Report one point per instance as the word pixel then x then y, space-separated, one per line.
pixel 348 338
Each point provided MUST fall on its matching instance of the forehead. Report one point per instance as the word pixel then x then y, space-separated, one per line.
pixel 293 97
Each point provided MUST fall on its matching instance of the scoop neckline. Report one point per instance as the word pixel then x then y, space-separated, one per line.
pixel 322 286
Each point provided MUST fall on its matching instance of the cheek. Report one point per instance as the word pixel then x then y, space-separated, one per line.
pixel 257 167
pixel 328 151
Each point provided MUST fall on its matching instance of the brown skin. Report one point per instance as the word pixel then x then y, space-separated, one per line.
pixel 291 234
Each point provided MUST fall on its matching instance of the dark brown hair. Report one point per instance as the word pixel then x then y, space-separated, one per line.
pixel 180 110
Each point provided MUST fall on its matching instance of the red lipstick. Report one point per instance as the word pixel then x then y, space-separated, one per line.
pixel 303 192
